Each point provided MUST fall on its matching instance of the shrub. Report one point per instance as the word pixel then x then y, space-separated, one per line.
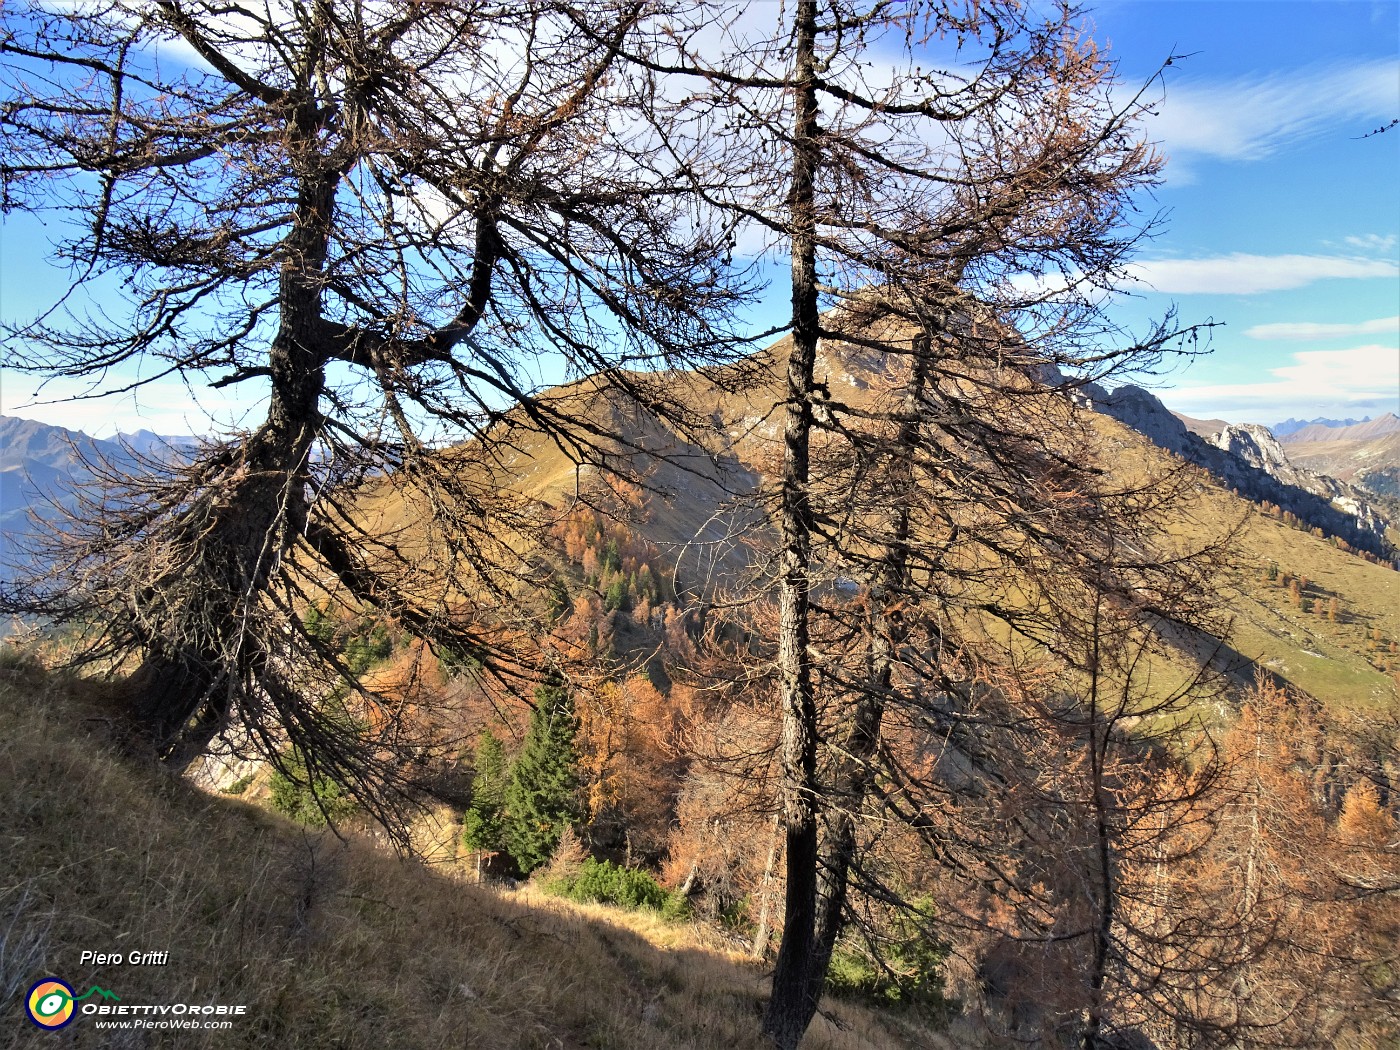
pixel 314 801
pixel 604 882
pixel 909 972
pixel 240 785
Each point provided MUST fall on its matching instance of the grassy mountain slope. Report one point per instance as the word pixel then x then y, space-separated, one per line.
pixel 1206 428
pixel 329 943
pixel 1332 660
pixel 684 513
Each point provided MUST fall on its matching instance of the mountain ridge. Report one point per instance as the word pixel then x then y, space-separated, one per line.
pixel 1247 457
pixel 1365 430
pixel 1291 426
pixel 42 467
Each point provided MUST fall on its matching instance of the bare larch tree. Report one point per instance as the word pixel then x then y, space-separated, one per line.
pixel 954 184
pixel 398 223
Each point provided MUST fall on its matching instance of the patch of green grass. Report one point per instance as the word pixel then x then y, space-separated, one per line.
pixel 240 785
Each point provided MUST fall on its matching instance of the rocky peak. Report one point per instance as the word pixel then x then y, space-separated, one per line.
pixel 1257 446
pixel 1248 458
pixel 1143 412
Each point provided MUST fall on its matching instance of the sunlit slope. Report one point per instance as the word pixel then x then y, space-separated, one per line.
pixel 1337 662
pixel 701 505
pixel 508 492
pixel 1334 660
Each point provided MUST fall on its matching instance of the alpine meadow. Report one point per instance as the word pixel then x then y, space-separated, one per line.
pixel 693 564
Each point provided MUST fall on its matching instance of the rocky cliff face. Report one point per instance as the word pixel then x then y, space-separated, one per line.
pixel 1140 410
pixel 1256 446
pixel 1248 458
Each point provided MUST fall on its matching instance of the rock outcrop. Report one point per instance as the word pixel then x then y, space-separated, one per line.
pixel 1248 458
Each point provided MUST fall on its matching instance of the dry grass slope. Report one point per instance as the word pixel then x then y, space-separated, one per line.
pixel 1327 659
pixel 329 943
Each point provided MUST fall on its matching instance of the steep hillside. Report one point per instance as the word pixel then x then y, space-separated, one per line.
pixel 1206 428
pixel 1247 458
pixel 698 506
pixel 1339 654
pixel 326 943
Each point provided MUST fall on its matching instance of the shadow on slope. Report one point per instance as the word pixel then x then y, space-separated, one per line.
pixel 328 943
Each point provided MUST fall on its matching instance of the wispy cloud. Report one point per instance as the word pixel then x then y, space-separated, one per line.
pixel 1363 377
pixel 1240 273
pixel 1374 242
pixel 1308 330
pixel 1249 118
pixel 1363 370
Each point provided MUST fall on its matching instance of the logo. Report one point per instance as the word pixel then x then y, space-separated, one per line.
pixel 51 1002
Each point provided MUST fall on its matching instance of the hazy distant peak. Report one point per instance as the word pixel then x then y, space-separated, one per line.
pixel 1292 426
pixel 1366 430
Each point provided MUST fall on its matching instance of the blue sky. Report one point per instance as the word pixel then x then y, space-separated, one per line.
pixel 1283 220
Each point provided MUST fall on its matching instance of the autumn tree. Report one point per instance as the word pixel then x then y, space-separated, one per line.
pixel 630 757
pixel 1296 899
pixel 958 220
pixel 391 225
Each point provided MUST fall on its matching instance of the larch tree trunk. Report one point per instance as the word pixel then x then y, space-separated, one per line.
pixel 796 980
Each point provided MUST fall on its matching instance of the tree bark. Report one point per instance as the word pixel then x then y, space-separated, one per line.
pixel 245 522
pixel 796 984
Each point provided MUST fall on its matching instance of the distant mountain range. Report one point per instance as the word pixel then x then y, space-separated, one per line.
pixel 40 467
pixel 1291 426
pixel 1365 454
pixel 1365 430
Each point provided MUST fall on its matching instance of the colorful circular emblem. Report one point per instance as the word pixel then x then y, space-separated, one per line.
pixel 50 1003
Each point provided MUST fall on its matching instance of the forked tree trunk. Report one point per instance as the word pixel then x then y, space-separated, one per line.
pixel 859 733
pixel 242 523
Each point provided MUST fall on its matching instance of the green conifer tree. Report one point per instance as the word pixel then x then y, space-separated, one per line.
pixel 615 596
pixel 318 625
pixel 483 825
pixel 542 797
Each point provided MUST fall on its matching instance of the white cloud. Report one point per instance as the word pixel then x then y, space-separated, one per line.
pixel 1250 118
pixel 1374 242
pixel 1372 369
pixel 1309 330
pixel 1317 381
pixel 1243 274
